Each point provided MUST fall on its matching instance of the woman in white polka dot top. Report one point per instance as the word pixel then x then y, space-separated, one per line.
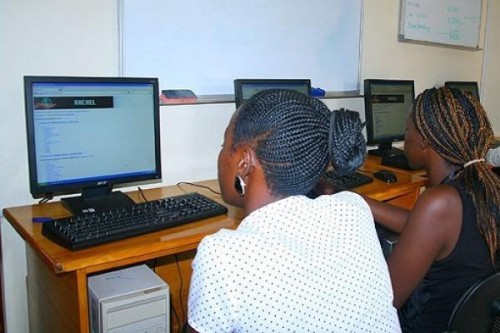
pixel 294 264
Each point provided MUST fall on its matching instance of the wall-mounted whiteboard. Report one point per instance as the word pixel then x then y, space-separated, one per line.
pixel 204 45
pixel 448 22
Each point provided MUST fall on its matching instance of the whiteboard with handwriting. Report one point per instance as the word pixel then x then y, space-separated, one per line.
pixel 448 22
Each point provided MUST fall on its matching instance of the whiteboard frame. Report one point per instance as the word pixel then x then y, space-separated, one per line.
pixel 402 35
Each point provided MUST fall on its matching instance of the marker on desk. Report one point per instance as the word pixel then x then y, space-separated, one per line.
pixel 41 219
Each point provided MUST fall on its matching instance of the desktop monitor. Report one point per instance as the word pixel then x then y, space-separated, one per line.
pixel 87 134
pixel 246 88
pixel 470 87
pixel 387 103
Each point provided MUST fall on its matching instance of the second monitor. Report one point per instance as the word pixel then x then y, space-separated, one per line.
pixel 470 87
pixel 246 88
pixel 387 103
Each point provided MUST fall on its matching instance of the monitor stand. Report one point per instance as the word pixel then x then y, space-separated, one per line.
pixel 385 149
pixel 96 199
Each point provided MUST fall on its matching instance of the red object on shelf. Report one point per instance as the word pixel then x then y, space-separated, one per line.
pixel 176 96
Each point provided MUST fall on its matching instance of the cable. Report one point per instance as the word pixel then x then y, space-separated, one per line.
pixel 197 185
pixel 141 192
pixel 176 317
pixel 46 198
pixel 181 285
pixel 154 264
pixel 366 171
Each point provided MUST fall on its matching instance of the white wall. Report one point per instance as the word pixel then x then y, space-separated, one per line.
pixel 69 37
pixel 428 65
pixel 57 37
pixel 490 87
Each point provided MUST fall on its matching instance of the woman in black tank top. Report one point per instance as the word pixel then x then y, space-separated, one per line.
pixel 450 238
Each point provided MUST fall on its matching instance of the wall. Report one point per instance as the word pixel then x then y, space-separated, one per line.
pixel 57 37
pixel 490 86
pixel 428 65
pixel 69 37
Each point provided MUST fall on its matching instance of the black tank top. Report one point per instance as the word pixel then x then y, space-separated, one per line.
pixel 429 308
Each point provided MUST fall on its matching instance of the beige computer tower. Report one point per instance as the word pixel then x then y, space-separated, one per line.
pixel 129 300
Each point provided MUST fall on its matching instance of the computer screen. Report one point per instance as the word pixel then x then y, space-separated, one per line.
pixel 246 88
pixel 387 103
pixel 470 87
pixel 88 134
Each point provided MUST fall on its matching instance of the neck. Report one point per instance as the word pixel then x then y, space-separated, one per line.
pixel 259 202
pixel 258 193
pixel 438 170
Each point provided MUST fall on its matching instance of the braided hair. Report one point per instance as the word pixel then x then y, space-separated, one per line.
pixel 456 126
pixel 293 140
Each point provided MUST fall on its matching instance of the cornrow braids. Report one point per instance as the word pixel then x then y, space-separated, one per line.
pixel 456 126
pixel 347 143
pixel 289 132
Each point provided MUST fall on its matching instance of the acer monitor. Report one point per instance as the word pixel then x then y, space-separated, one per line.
pixel 387 103
pixel 86 135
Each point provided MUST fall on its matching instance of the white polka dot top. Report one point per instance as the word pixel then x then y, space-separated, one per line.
pixel 296 265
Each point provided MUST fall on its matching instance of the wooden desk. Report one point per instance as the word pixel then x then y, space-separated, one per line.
pixel 57 278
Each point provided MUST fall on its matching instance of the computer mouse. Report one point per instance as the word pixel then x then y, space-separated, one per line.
pixel 386 176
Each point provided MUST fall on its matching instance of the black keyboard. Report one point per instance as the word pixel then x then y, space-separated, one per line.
pixel 396 161
pixel 90 229
pixel 346 181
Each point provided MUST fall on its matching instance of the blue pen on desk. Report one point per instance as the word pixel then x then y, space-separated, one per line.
pixel 41 219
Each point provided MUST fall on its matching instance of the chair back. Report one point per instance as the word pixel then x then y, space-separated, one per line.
pixel 478 310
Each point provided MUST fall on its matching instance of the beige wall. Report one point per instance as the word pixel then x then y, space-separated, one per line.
pixel 70 37
pixel 490 83
pixel 428 65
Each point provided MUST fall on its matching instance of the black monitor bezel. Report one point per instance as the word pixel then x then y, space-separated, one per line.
pixel 279 83
pixel 468 84
pixel 371 139
pixel 39 190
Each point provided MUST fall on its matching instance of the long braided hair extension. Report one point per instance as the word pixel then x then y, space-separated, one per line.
pixel 456 126
pixel 289 132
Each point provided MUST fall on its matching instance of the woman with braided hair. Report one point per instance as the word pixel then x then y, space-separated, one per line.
pixel 294 263
pixel 450 239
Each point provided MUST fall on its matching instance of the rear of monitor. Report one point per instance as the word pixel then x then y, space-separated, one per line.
pixel 470 87
pixel 246 88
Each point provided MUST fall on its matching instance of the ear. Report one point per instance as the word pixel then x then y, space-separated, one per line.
pixel 423 143
pixel 247 162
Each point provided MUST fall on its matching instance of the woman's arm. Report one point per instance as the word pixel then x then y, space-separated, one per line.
pixel 391 217
pixel 430 233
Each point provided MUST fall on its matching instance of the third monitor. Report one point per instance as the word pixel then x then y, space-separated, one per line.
pixel 387 103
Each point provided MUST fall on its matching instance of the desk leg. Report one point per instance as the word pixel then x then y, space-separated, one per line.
pixel 53 299
pixel 83 301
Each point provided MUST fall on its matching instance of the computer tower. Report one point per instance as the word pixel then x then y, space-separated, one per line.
pixel 388 239
pixel 129 300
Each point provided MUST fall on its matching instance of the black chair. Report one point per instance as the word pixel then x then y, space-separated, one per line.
pixel 478 310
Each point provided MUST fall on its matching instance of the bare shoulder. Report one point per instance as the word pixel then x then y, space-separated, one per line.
pixel 430 234
pixel 437 217
pixel 438 199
